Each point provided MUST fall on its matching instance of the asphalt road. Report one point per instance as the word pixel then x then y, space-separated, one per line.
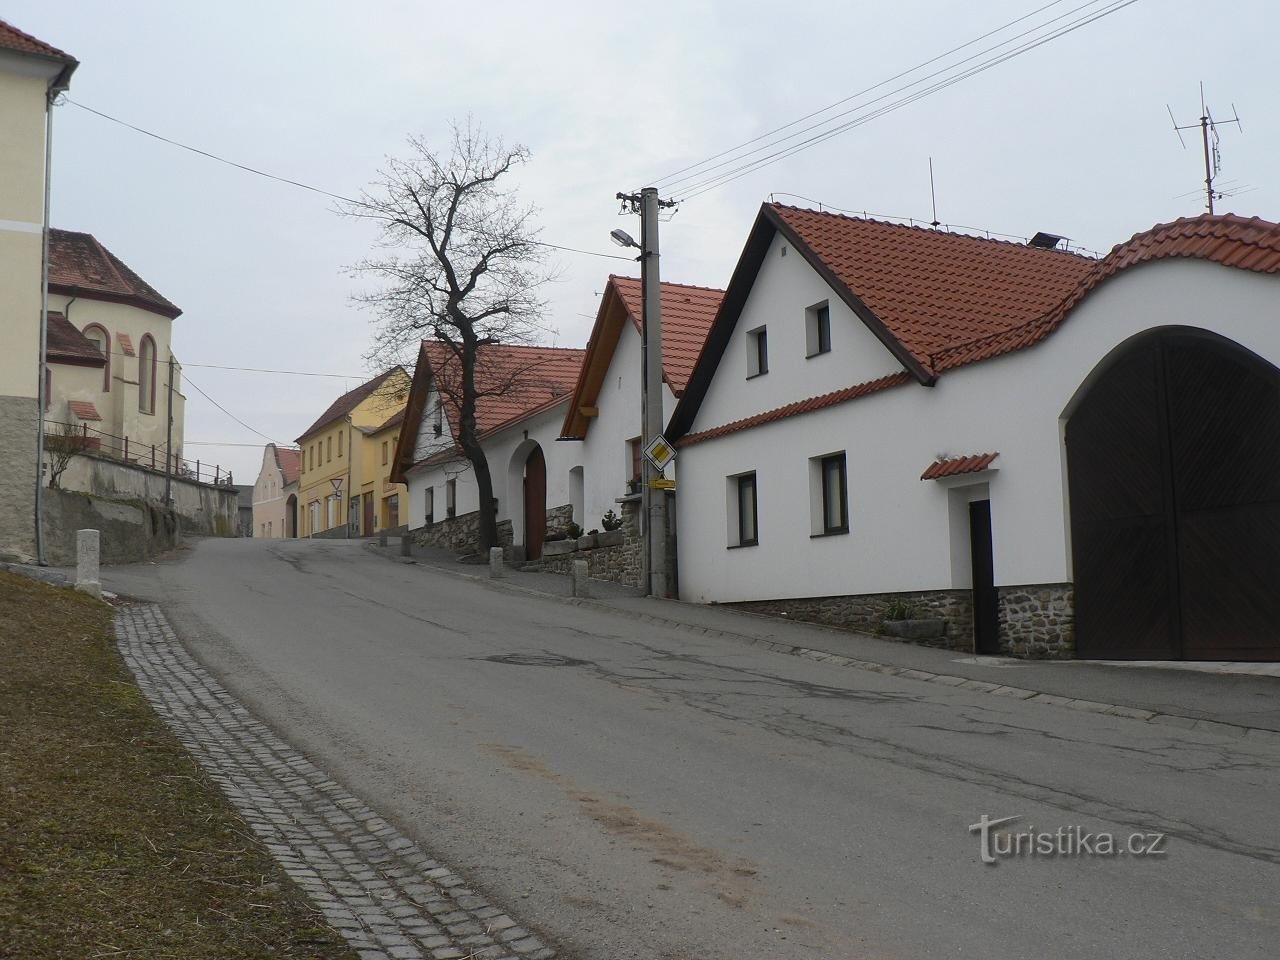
pixel 640 793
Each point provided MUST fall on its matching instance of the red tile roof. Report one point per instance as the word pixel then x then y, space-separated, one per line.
pixel 83 409
pixel 1247 243
pixel 66 344
pixel 799 407
pixel 514 381
pixel 350 400
pixel 288 460
pixel 125 343
pixel 687 312
pixel 80 266
pixel 18 41
pixel 953 466
pixel 932 289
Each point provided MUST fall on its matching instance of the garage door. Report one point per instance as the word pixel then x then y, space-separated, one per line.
pixel 1173 459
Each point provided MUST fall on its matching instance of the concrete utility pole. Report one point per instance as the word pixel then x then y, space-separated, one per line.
pixel 653 500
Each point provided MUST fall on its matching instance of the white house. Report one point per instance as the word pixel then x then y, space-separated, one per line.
pixel 524 392
pixel 603 420
pixel 1060 456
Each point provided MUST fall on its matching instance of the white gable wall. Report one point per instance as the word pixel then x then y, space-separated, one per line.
pixel 605 456
pixel 785 288
pixel 902 531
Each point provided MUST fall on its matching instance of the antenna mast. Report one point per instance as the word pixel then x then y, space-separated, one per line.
pixel 1209 136
pixel 933 196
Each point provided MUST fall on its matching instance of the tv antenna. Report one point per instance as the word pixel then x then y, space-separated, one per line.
pixel 1209 136
pixel 933 197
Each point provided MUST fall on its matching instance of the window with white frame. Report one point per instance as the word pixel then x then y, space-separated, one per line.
pixel 829 495
pixel 817 330
pixel 451 498
pixel 757 352
pixel 430 505
pixel 743 511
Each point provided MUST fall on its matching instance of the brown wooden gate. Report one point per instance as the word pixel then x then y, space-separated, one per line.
pixel 535 503
pixel 1174 477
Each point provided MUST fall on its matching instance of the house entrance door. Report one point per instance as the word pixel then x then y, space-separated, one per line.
pixel 986 599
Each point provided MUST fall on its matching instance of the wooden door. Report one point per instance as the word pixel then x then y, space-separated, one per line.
pixel 368 514
pixel 1174 477
pixel 986 600
pixel 535 503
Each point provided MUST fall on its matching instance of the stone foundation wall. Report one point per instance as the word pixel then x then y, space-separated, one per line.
pixel 865 612
pixel 622 564
pixel 18 477
pixel 131 530
pixel 459 533
pixel 1038 621
pixel 558 520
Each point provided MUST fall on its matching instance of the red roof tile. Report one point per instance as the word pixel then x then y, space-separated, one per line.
pixel 1246 243
pixel 932 289
pixel 83 409
pixel 687 312
pixel 350 400
pixel 81 266
pixel 514 380
pixel 953 466
pixel 66 344
pixel 799 407
pixel 125 343
pixel 11 38
pixel 288 460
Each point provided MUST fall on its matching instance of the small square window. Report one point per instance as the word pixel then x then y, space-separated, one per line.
pixel 818 330
pixel 757 352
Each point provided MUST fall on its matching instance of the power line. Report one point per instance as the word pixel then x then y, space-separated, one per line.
pixel 713 181
pixel 875 86
pixel 290 181
pixel 188 380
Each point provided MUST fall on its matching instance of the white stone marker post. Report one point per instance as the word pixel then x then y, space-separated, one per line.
pixel 496 570
pixel 87 551
pixel 580 579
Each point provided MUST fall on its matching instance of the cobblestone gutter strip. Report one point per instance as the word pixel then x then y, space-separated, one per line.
pixel 1231 730
pixel 374 885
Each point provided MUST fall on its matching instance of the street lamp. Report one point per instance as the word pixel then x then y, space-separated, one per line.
pixel 622 238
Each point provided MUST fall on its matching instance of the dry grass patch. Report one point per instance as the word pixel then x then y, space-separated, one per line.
pixel 112 842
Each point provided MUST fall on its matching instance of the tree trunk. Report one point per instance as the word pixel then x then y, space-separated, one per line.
pixel 471 448
pixel 488 533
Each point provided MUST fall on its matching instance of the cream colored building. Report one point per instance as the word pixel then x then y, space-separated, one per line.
pixel 31 74
pixel 98 305
pixel 275 494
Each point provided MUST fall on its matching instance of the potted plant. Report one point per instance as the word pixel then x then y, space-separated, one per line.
pixel 902 619
pixel 613 534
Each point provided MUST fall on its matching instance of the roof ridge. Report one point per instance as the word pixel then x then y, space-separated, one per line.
pixel 1035 251
pixel 671 283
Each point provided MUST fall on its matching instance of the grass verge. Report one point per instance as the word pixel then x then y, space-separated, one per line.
pixel 112 842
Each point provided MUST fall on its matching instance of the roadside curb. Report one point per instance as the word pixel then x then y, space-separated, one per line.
pixel 1233 731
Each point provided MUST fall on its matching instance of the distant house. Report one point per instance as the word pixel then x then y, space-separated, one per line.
pixel 32 72
pixel 109 345
pixel 604 412
pixel 1059 456
pixel 244 496
pixel 345 462
pixel 526 392
pixel 275 494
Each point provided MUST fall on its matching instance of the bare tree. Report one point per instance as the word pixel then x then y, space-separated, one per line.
pixel 460 265
pixel 62 446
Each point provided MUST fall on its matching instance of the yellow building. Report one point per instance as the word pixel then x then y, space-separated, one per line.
pixel 344 485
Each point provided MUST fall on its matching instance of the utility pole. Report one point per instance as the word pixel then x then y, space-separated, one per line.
pixel 168 440
pixel 653 500
pixel 1209 136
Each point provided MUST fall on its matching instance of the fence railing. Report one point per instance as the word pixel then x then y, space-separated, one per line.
pixel 125 449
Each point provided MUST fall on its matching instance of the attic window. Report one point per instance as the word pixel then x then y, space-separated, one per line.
pixel 817 322
pixel 757 352
pixel 1046 241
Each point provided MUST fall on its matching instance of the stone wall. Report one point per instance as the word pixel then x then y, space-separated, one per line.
pixel 459 533
pixel 622 564
pixel 205 509
pixel 18 477
pixel 865 612
pixel 1038 621
pixel 131 530
pixel 558 520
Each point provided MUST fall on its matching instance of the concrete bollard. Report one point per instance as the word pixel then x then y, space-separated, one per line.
pixel 496 570
pixel 88 546
pixel 406 546
pixel 382 538
pixel 580 579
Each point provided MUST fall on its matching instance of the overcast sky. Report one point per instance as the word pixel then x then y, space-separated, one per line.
pixel 1072 137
